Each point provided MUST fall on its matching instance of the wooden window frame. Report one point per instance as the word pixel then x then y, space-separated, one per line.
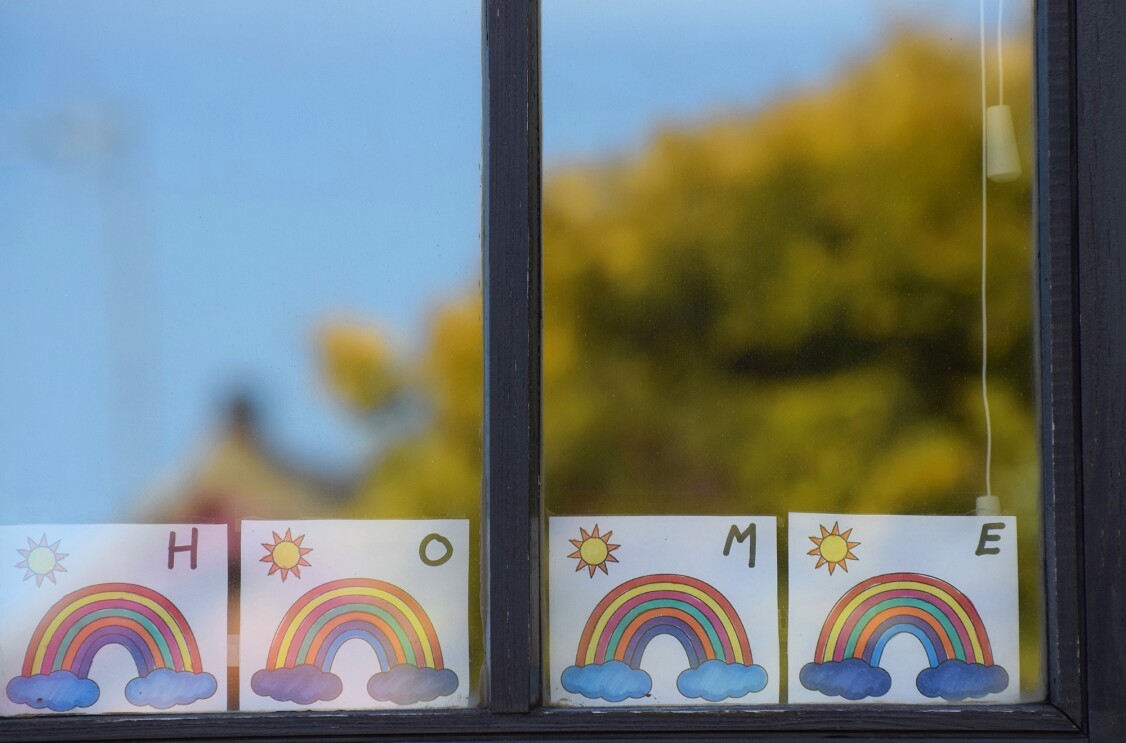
pixel 1081 240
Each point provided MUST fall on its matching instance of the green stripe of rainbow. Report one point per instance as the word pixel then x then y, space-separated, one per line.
pixel 701 617
pixel 382 613
pixel 941 616
pixel 82 622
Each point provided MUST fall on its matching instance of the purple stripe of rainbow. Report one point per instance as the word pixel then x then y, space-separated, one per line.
pixel 129 639
pixel 363 630
pixel 633 613
pixel 640 603
pixel 678 628
pixel 895 604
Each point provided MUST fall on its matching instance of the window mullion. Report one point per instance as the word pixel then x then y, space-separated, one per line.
pixel 512 317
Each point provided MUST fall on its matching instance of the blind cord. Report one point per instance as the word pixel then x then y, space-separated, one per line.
pixel 984 252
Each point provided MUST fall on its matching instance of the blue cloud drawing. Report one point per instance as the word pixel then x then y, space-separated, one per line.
pixel 955 680
pixel 852 679
pixel 407 684
pixel 613 681
pixel 303 684
pixel 60 691
pixel 715 680
pixel 165 687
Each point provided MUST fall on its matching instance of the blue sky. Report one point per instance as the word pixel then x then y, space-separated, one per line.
pixel 187 189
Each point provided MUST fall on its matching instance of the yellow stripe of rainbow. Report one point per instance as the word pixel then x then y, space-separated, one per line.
pixel 139 610
pixel 381 606
pixel 617 618
pixel 848 629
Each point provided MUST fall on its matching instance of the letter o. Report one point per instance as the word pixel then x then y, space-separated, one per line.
pixel 435 537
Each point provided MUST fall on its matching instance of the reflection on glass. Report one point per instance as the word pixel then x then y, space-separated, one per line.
pixel 762 270
pixel 239 276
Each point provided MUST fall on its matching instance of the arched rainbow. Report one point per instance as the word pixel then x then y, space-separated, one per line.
pixel 381 614
pixel 696 614
pixel 139 619
pixel 943 619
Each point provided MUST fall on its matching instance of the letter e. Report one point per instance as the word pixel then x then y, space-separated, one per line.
pixel 988 536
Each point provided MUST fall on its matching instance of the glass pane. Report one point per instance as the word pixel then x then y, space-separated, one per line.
pixel 764 249
pixel 242 331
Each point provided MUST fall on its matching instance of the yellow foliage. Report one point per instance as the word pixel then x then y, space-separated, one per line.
pixel 775 311
pixel 357 365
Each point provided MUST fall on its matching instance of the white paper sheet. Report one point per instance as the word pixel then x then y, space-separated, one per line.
pixel 354 614
pixel 648 610
pixel 908 609
pixel 113 618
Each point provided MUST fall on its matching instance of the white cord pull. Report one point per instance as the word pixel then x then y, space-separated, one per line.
pixel 1003 159
pixel 988 505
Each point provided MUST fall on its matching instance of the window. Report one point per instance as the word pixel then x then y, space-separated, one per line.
pixel 1081 56
pixel 763 258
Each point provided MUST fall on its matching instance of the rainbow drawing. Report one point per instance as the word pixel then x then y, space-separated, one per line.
pixel 629 617
pixel 387 618
pixel 143 621
pixel 946 623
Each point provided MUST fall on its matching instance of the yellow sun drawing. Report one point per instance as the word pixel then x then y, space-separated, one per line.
pixel 286 554
pixel 833 548
pixel 41 560
pixel 593 550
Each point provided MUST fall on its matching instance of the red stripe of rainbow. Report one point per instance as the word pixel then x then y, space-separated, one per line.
pixel 941 616
pixel 638 610
pixel 138 618
pixel 383 614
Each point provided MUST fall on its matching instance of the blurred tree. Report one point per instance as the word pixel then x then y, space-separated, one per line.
pixel 435 472
pixel 773 312
pixel 780 311
pixel 357 365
